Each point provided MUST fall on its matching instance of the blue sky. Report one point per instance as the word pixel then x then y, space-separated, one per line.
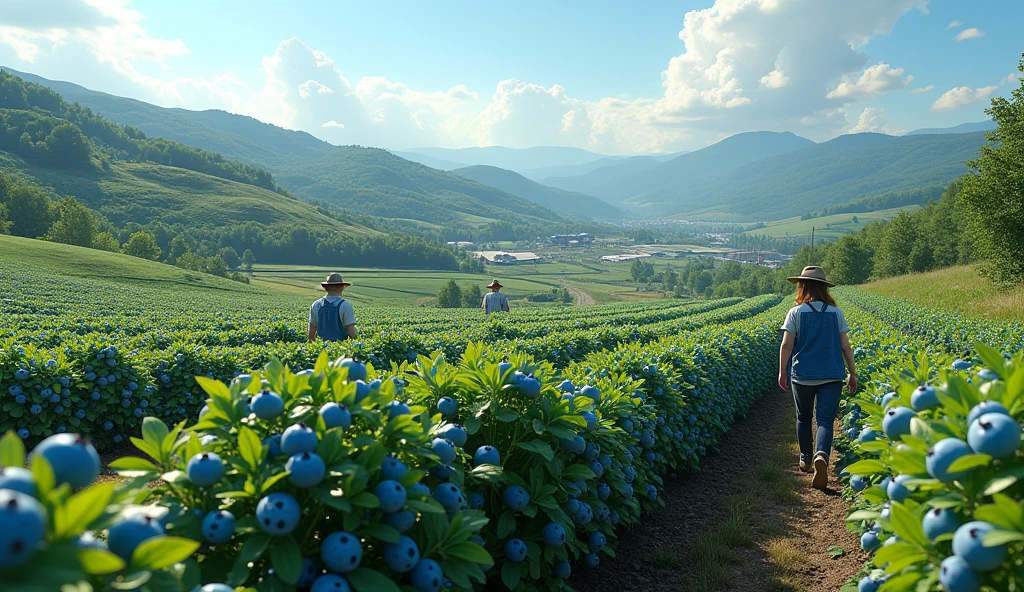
pixel 614 77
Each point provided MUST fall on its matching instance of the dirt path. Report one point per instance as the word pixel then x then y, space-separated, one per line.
pixel 748 521
pixel 582 298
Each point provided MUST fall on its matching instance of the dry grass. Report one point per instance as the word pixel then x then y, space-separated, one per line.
pixel 959 289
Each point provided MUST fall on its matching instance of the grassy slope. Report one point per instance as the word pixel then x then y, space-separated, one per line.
pixel 959 289
pixel 350 178
pixel 832 227
pixel 141 192
pixel 66 261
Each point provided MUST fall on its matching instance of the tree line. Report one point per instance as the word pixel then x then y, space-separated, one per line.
pixel 39 125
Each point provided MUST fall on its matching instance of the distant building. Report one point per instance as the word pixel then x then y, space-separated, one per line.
pixel 623 257
pixel 506 258
pixel 772 259
pixel 461 244
pixel 572 240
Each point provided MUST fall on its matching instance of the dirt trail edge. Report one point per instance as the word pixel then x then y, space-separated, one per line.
pixel 747 521
pixel 582 298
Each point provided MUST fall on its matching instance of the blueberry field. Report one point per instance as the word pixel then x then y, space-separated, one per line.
pixel 443 451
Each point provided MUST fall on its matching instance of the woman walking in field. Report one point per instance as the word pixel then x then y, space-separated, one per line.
pixel 815 339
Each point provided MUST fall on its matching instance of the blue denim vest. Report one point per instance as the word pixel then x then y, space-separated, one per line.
pixel 818 353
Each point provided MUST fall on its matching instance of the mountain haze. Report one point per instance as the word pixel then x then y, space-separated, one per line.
pixel 349 178
pixel 564 202
pixel 847 168
pixel 655 184
pixel 513 159
pixel 963 128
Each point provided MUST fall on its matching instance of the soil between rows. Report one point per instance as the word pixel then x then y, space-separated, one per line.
pixel 791 526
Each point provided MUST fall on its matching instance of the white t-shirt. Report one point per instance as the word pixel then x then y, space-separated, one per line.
pixel 792 323
pixel 495 302
pixel 348 316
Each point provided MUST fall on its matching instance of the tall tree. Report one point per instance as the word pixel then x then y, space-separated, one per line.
pixel 29 209
pixel 450 295
pixel 75 224
pixel 472 296
pixel 248 260
pixel 105 241
pixel 230 257
pixel 67 146
pixel 848 261
pixel 142 245
pixel 993 195
pixel 5 223
pixel 894 255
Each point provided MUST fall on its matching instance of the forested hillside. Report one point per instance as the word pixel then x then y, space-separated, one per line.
pixel 352 179
pixel 559 200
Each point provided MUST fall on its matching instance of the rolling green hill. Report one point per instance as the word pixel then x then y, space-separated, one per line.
pixel 844 169
pixel 513 159
pixel 564 202
pixel 347 178
pixel 141 192
pixel 653 185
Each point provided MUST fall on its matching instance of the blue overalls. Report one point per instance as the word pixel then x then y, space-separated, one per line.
pixel 817 359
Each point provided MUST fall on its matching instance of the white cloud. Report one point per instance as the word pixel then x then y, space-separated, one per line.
pixel 878 79
pixel 873 120
pixel 745 64
pixel 923 89
pixel 971 33
pixel 961 96
pixel 774 79
pixel 953 25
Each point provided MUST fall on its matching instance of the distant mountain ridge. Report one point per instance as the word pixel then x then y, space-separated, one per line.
pixel 564 202
pixel 963 128
pixel 660 182
pixel 513 159
pixel 348 178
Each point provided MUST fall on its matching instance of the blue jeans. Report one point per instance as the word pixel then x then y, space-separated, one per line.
pixel 823 401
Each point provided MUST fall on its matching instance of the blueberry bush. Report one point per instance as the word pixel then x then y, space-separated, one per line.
pixel 936 470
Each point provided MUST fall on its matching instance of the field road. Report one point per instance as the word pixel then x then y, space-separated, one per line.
pixel 582 298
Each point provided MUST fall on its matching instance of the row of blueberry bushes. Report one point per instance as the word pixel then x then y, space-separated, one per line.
pixel 489 470
pixel 100 390
pixel 934 461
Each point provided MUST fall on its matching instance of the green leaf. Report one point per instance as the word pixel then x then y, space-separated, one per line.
pixel 193 447
pixel 133 464
pixel 969 461
pixel 510 575
pixel 538 447
pixel 992 359
pixel 862 515
pixel 907 525
pixel 151 450
pixel 12 450
pixel 154 432
pixel 286 558
pixel 162 551
pixel 866 467
pixel 366 500
pixel 1001 537
pixel 835 551
pixel 578 472
pixel 98 562
pixel 84 507
pixel 370 580
pixel 254 547
pixel 506 524
pixel 214 388
pixel 896 552
pixel 251 449
pixel 382 532
pixel 470 552
pixel 42 474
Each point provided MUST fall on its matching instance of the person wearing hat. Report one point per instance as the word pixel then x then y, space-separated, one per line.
pixel 816 343
pixel 495 301
pixel 331 317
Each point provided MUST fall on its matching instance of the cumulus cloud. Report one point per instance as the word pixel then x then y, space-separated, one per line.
pixel 953 25
pixel 971 33
pixel 961 97
pixel 873 120
pixel 880 78
pixel 923 89
pixel 744 64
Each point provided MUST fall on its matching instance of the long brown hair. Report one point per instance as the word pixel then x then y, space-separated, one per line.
pixel 808 290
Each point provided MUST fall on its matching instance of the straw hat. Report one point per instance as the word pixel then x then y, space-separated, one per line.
pixel 334 280
pixel 812 273
pixel 494 284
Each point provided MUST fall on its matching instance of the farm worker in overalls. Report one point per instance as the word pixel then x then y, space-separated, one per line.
pixel 495 301
pixel 815 338
pixel 331 317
